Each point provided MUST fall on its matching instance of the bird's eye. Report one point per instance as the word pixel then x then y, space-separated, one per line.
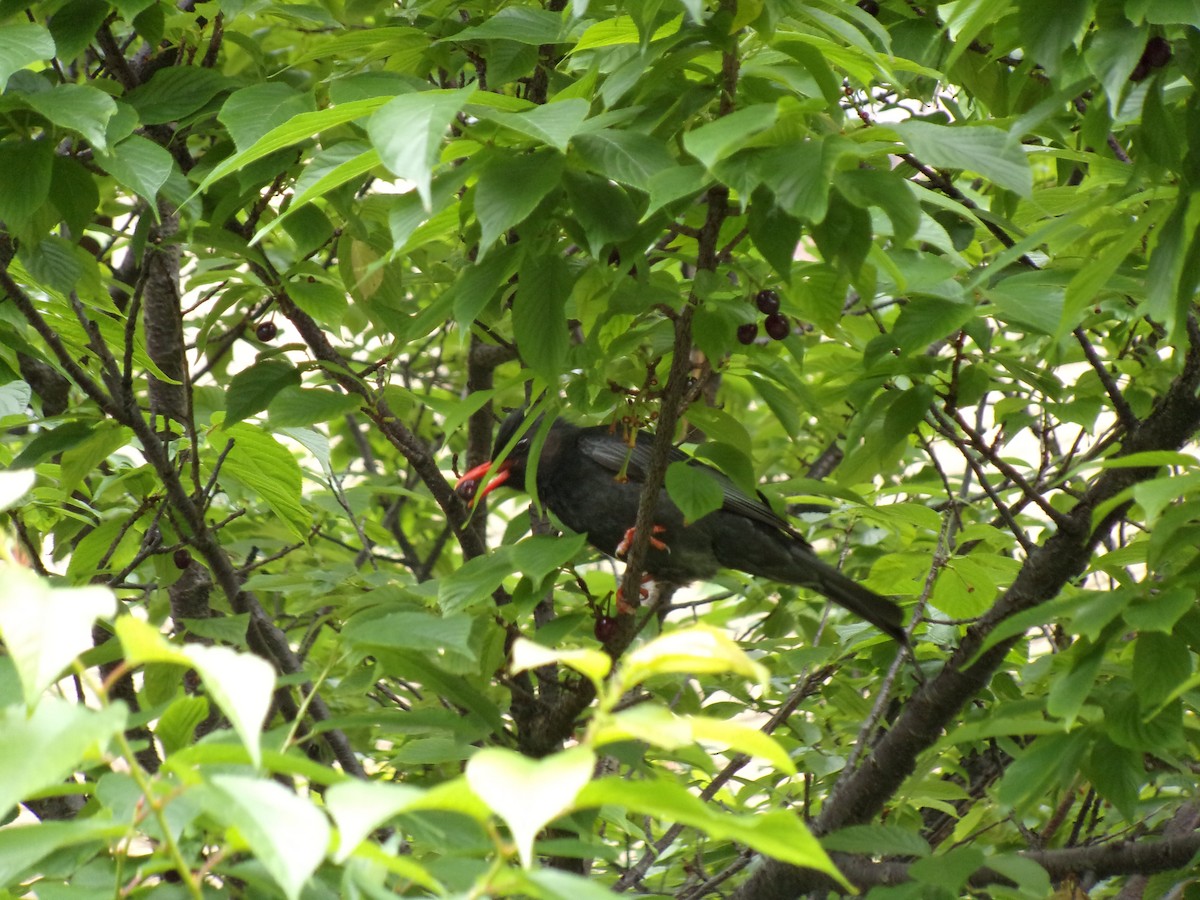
pixel 522 444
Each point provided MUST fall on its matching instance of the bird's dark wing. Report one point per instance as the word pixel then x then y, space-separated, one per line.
pixel 614 454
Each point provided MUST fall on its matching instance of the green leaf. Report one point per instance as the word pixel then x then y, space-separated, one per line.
pixel 287 833
pixel 510 188
pixel 81 108
pixel 412 630
pixel 520 24
pixel 176 728
pixel 474 581
pixel 1049 30
pixel 866 188
pixel 75 194
pixel 662 728
pixel 23 846
pixel 877 840
pixel 138 164
pixel 553 124
pixel 904 414
pixel 674 183
pixel 250 391
pixel 39 750
pixel 799 174
pixel 359 807
pixel 526 655
pixel 539 314
pixel 1049 762
pixel 1159 611
pixel 1118 774
pixel 964 591
pixel 56 440
pixel 693 490
pixel 14 398
pixel 300 129
pixel 698 649
pixel 527 793
pixel 775 232
pixel 1029 877
pixel 602 209
pixel 294 406
pixel 14 484
pixel 367 44
pixel 92 548
pixel 251 112
pixel 45 628
pixel 21 45
pixel 627 157
pixel 329 169
pixel 781 403
pixel 175 92
pixel 1111 56
pixel 780 834
pixel 241 684
pixel 74 26
pixel 29 164
pixel 539 555
pixel 984 149
pixel 1092 277
pixel 56 264
pixel 732 461
pixel 1030 300
pixel 1127 725
pixel 142 643
pixel 949 870
pixel 621 30
pixel 1157 494
pixel 268 469
pixel 714 141
pixel 1071 689
pixel 408 131
pixel 1166 266
pixel 926 319
pixel 228 629
pixel 555 884
pixel 844 234
pixel 477 285
pixel 1161 663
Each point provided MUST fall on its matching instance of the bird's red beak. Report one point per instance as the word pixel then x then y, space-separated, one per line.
pixel 468 486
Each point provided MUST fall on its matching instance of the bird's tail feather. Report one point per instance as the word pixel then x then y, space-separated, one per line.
pixel 849 594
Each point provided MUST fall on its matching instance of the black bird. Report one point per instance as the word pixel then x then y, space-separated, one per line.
pixel 591 479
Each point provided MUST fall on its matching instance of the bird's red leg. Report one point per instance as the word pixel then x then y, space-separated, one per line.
pixel 627 541
pixel 623 548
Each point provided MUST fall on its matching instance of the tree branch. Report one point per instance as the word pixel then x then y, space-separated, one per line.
pixel 1140 857
pixel 1059 559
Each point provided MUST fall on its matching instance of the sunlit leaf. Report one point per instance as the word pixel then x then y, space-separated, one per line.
pixel 288 834
pixel 529 793
pixel 39 749
pixel 44 628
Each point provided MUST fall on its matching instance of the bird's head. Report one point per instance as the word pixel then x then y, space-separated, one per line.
pixel 511 468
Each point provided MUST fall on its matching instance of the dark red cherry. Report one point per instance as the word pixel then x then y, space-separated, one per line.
pixel 605 628
pixel 1157 53
pixel 182 558
pixel 767 302
pixel 747 333
pixel 266 331
pixel 777 326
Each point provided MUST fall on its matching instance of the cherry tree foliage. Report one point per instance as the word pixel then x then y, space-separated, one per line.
pixel 925 276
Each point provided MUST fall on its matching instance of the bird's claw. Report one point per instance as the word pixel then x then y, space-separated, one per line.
pixel 624 608
pixel 627 541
